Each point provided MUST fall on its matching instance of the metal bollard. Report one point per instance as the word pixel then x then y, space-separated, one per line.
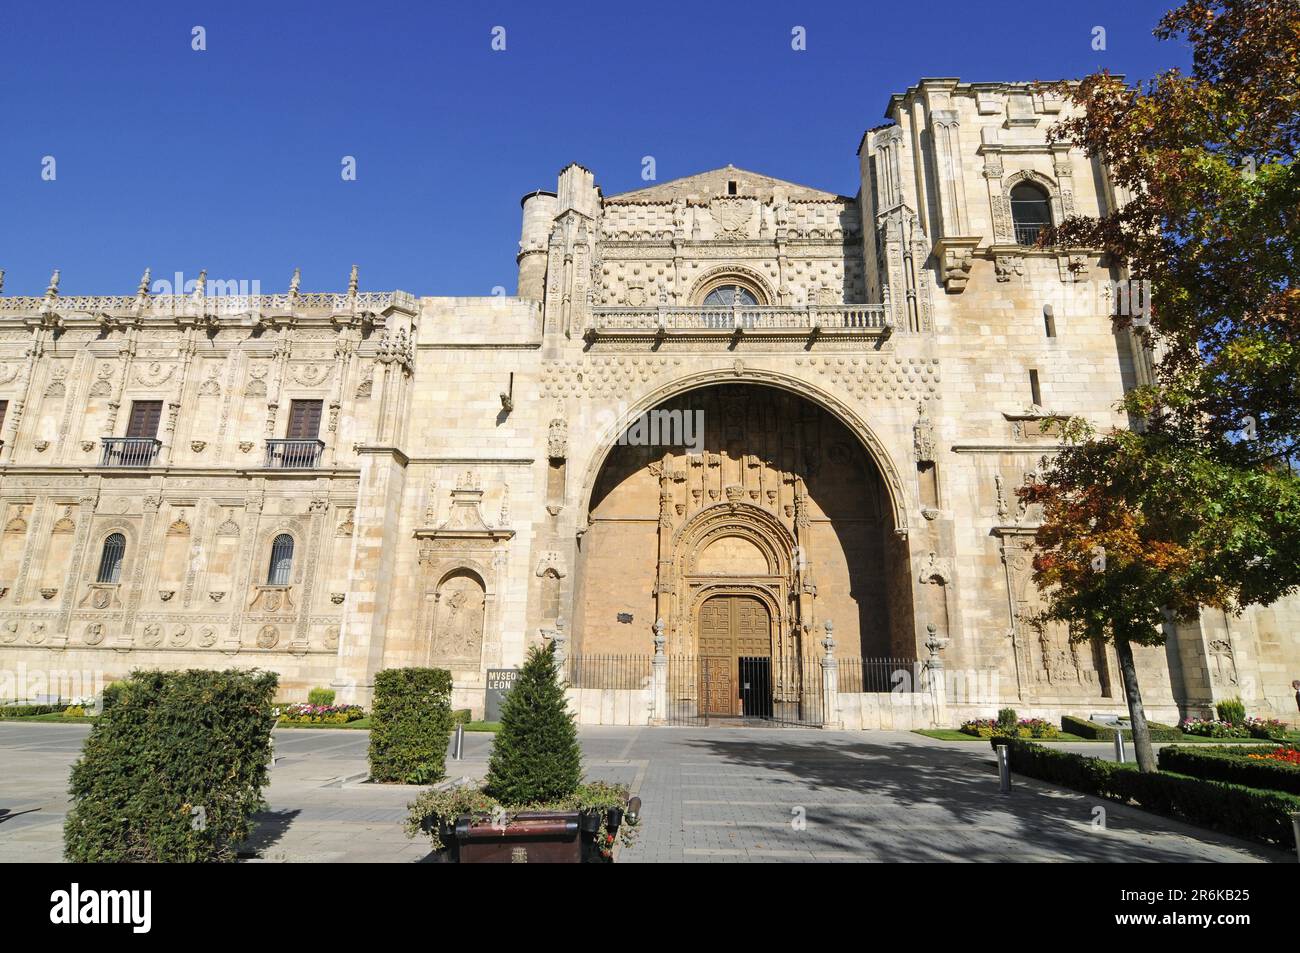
pixel 1004 768
pixel 1119 746
pixel 1295 831
pixel 458 745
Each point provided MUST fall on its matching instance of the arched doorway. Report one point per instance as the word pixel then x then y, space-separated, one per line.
pixel 769 496
pixel 735 644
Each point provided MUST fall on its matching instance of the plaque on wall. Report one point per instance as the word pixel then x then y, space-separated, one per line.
pixel 499 681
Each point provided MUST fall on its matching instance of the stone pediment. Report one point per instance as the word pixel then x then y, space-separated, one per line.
pixel 715 182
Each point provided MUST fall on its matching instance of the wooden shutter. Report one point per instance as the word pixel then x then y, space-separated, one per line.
pixel 145 416
pixel 304 420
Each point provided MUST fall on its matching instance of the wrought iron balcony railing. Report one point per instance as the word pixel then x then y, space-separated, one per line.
pixel 129 451
pixel 852 320
pixel 1027 233
pixel 293 454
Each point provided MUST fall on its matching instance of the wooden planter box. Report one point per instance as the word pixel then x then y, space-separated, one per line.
pixel 529 837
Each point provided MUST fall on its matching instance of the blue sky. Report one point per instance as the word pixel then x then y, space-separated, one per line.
pixel 230 158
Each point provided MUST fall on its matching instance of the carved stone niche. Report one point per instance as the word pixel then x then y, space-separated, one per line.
pixel 272 599
pixel 460 563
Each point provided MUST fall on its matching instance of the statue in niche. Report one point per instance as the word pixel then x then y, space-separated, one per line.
pixel 460 619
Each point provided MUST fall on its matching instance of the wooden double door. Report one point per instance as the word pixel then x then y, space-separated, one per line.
pixel 735 651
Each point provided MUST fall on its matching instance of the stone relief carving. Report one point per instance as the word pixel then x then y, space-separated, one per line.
pixel 557 439
pixel 154 374
pixel 459 623
pixel 1223 667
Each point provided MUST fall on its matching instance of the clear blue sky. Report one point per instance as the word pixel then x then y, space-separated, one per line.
pixel 230 159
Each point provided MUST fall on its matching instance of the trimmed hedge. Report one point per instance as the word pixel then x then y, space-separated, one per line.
pixel 410 725
pixel 27 711
pixel 112 694
pixel 1233 765
pixel 174 769
pixel 1091 729
pixel 1263 816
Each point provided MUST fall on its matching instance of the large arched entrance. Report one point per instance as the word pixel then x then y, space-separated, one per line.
pixel 745 517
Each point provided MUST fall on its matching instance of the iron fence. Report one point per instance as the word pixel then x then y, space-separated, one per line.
pixel 781 689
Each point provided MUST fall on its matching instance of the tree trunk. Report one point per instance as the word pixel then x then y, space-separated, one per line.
pixel 1146 758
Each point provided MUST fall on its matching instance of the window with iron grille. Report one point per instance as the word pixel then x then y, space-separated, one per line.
pixel 145 415
pixel 304 420
pixel 281 561
pixel 110 560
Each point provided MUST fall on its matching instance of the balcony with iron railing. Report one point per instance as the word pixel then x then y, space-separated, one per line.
pixel 804 323
pixel 129 451
pixel 1027 232
pixel 293 454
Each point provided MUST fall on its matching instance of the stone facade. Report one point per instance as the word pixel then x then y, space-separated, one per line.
pixel 723 387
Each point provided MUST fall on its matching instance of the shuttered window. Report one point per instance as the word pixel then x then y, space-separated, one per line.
pixel 304 420
pixel 281 561
pixel 145 416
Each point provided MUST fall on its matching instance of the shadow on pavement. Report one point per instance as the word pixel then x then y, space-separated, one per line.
pixel 953 794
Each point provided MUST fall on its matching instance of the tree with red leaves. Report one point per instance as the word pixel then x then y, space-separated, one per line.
pixel 1198 506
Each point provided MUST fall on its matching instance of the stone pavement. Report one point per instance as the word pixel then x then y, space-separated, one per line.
pixel 710 794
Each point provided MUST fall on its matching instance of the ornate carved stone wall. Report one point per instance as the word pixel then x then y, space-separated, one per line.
pixel 863 356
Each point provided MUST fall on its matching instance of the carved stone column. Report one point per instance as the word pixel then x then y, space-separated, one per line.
pixel 659 703
pixel 830 681
pixel 135 589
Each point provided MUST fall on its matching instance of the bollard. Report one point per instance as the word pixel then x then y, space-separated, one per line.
pixel 458 746
pixel 1295 832
pixel 1119 746
pixel 1004 768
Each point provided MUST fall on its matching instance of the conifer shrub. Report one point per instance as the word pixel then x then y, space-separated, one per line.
pixel 535 756
pixel 174 769
pixel 1231 710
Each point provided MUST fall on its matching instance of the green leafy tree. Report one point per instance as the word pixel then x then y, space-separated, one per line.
pixel 1139 532
pixel 1199 505
pixel 535 756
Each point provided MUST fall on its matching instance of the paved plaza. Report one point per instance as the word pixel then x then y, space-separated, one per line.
pixel 710 794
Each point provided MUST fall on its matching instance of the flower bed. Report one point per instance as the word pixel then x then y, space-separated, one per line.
pixel 306 714
pixel 1269 728
pixel 1024 728
pixel 1285 755
pixel 1214 728
pixel 1275 770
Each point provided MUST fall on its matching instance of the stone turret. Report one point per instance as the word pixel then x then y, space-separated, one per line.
pixel 538 212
